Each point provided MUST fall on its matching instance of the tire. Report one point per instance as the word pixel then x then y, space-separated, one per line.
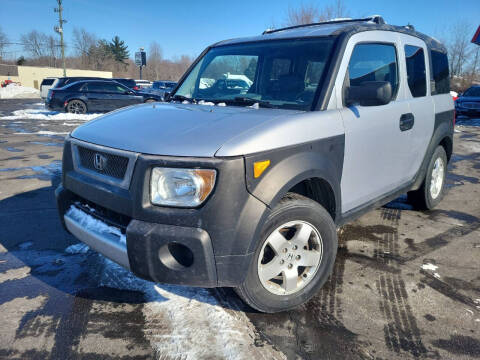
pixel 432 190
pixel 294 212
pixel 76 107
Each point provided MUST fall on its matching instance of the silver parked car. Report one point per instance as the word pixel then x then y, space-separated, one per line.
pixel 267 146
pixel 47 84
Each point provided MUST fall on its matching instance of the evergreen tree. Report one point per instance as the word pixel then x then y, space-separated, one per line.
pixel 119 50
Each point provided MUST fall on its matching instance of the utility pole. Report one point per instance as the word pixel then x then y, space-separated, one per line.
pixel 59 29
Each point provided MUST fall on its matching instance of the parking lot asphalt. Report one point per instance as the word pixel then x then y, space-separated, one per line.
pixel 406 284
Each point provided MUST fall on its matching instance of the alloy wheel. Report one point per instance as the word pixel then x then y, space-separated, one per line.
pixel 290 257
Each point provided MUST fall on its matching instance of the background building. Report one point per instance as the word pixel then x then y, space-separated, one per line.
pixel 32 76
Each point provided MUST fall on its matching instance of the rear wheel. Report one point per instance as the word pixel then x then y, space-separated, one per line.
pixel 433 188
pixel 76 107
pixel 294 257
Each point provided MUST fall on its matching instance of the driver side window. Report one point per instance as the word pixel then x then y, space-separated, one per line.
pixel 373 62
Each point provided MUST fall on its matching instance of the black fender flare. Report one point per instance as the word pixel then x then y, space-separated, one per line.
pixel 443 129
pixel 289 166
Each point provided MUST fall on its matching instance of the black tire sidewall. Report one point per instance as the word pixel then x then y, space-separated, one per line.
pixel 298 209
pixel 429 201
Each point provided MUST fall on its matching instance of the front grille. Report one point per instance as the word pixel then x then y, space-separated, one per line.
pixel 115 165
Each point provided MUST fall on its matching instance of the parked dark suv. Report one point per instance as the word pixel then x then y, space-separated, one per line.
pixel 95 95
pixel 468 103
pixel 63 81
pixel 244 183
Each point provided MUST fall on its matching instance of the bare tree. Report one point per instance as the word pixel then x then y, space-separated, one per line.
pixel 83 42
pixel 3 43
pixel 305 14
pixel 154 61
pixel 310 13
pixel 459 47
pixel 53 50
pixel 35 43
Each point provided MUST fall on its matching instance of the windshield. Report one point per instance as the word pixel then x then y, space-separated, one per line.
pixel 473 91
pixel 280 73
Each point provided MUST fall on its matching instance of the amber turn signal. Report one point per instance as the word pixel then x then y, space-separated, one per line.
pixel 259 167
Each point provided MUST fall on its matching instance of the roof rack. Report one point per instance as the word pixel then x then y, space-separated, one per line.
pixel 377 19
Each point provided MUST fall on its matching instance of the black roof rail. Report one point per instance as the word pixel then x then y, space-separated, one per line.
pixel 377 19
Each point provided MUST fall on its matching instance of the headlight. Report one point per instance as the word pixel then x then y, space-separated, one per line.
pixel 181 187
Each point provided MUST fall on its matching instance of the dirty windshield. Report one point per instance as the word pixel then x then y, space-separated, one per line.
pixel 277 74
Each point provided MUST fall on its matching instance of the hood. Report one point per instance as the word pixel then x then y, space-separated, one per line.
pixel 174 129
pixel 469 99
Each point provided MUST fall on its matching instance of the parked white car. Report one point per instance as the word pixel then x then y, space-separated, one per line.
pixel 143 83
pixel 46 85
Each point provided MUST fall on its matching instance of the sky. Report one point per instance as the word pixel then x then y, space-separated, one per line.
pixel 188 26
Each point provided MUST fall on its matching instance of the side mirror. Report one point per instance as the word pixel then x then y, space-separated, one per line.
pixel 128 92
pixel 166 96
pixel 369 93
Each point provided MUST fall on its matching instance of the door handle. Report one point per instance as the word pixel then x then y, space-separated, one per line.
pixel 406 121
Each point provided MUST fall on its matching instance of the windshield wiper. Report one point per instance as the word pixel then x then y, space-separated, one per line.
pixel 250 101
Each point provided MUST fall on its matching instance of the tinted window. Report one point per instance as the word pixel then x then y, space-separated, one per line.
pixel 441 83
pixel 114 88
pixel 47 82
pixel 416 74
pixel 374 62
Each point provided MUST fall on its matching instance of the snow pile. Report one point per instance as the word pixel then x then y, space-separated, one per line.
pixel 14 91
pixel 89 222
pixel 39 114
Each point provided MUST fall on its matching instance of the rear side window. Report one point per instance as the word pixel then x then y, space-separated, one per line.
pixel 47 82
pixel 416 73
pixel 441 82
pixel 374 62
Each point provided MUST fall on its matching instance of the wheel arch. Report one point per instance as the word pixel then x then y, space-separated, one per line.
pixel 442 136
pixel 313 170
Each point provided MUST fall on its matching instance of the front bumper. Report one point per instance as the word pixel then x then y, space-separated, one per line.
pixel 212 245
pixel 156 252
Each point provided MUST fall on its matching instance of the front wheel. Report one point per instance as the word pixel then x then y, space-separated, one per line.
pixel 294 257
pixel 433 188
pixel 76 107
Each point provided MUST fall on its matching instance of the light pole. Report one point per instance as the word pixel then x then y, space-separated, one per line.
pixel 59 29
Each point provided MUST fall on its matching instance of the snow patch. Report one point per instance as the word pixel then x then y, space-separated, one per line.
pixel 39 114
pixel 221 104
pixel 207 103
pixel 15 91
pixel 90 223
pixel 41 132
pixel 77 249
pixel 255 106
pixel 191 318
pixel 429 266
